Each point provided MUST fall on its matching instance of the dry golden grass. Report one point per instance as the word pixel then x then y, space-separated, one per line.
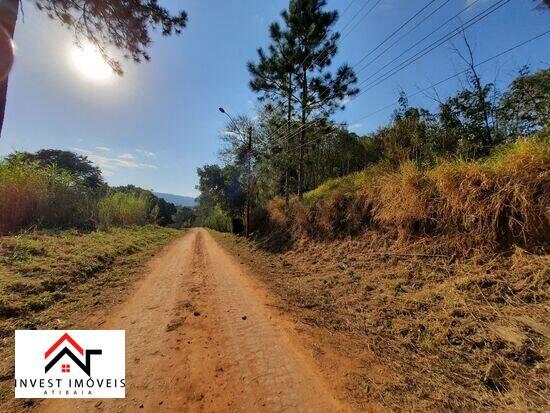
pixel 501 201
pixel 440 298
pixel 417 331
pixel 406 200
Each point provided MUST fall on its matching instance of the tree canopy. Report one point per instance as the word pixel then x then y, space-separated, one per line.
pixel 79 166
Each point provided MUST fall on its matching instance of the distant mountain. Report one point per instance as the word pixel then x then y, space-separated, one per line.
pixel 178 200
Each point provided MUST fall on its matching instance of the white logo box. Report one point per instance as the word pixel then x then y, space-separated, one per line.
pixel 76 369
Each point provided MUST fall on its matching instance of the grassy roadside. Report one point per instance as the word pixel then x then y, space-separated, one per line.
pixel 54 280
pixel 415 332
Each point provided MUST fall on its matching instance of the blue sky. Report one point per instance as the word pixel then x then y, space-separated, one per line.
pixel 155 125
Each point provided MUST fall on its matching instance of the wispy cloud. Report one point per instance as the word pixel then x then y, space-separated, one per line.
pixel 110 165
pixel 103 148
pixel 148 154
pixel 355 126
pixel 126 156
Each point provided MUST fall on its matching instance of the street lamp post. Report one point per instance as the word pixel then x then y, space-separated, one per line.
pixel 248 136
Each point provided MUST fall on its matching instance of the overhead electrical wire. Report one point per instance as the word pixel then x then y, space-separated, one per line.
pixel 432 46
pixel 433 85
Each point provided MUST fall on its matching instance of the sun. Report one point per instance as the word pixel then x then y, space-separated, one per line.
pixel 89 62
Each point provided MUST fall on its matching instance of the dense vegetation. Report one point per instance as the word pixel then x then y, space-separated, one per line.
pixel 293 146
pixel 500 200
pixel 59 189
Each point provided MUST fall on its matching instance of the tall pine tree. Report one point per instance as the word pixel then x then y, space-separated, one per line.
pixel 298 68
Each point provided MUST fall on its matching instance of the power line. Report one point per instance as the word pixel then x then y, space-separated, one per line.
pixel 351 30
pixel 432 46
pixel 379 45
pixel 496 56
pixel 411 30
pixel 394 33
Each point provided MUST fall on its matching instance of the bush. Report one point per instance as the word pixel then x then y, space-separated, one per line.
pixel 46 197
pixel 122 209
pixel 217 220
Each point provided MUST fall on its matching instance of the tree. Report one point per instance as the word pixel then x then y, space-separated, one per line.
pixel 525 106
pixel 242 150
pixel 297 69
pixel 79 166
pixel 184 217
pixel 221 188
pixel 123 24
pixel 471 114
pixel 273 77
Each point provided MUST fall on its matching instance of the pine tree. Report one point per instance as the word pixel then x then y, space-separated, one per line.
pixel 273 76
pixel 300 57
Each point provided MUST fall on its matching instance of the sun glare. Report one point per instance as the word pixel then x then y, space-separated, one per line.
pixel 88 60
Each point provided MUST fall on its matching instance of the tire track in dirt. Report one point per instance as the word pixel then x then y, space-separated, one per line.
pixel 200 338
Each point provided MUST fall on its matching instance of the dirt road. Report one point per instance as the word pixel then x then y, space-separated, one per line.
pixel 200 337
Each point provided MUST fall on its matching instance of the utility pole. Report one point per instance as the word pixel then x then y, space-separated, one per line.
pixel 248 136
pixel 248 181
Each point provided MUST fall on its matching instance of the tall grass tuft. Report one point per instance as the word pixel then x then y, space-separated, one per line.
pixel 45 197
pixel 121 209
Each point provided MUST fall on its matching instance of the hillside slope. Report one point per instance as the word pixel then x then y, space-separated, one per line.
pixel 431 284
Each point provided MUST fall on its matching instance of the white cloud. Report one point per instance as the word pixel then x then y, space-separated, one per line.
pixel 126 156
pixel 355 126
pixel 110 165
pixel 148 154
pixel 103 148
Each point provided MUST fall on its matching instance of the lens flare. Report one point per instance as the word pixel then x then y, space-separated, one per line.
pixel 7 54
pixel 88 60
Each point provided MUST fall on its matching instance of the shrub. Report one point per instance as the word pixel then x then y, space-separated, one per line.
pixel 46 197
pixel 122 209
pixel 217 220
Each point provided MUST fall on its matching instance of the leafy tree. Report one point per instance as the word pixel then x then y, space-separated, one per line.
pixel 472 112
pixel 184 217
pixel 79 166
pixel 274 78
pixel 221 188
pixel 124 24
pixel 525 107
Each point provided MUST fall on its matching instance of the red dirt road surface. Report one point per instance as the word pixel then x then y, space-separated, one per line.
pixel 200 337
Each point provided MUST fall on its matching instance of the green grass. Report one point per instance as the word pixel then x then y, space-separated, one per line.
pixel 54 279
